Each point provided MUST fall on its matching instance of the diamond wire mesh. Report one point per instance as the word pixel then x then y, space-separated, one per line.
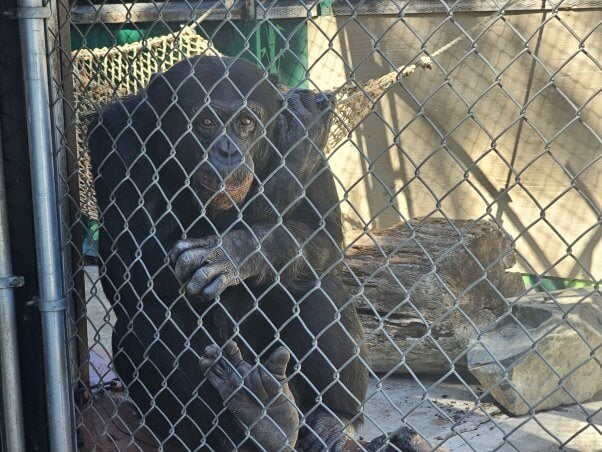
pixel 514 108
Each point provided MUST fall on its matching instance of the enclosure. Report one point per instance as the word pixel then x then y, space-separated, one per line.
pixel 391 207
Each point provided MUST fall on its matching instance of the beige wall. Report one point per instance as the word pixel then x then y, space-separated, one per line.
pixel 395 164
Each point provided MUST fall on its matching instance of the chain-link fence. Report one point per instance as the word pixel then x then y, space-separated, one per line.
pixel 331 224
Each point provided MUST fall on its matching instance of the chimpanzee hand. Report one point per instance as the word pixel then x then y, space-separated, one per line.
pixel 300 136
pixel 307 114
pixel 208 268
pixel 247 391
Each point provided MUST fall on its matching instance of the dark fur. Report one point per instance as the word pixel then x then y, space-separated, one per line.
pixel 141 167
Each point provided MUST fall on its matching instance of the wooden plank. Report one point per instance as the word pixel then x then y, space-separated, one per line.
pixel 287 9
pixel 395 7
pixel 285 12
pixel 151 12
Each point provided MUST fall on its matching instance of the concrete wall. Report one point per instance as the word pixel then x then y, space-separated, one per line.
pixel 546 167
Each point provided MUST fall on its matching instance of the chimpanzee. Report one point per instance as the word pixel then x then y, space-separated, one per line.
pixel 220 242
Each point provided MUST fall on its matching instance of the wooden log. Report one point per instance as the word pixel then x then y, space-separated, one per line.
pixel 425 288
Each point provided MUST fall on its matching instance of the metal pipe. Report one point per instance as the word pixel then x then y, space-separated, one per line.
pixel 10 378
pixel 52 302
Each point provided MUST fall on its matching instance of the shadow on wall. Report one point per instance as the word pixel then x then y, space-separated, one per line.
pixel 492 131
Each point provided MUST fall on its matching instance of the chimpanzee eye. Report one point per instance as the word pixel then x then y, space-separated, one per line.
pixel 207 122
pixel 245 121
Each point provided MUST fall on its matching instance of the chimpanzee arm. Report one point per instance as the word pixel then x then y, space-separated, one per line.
pixel 300 137
pixel 292 250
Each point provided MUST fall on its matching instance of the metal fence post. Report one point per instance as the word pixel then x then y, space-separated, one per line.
pixel 10 379
pixel 32 15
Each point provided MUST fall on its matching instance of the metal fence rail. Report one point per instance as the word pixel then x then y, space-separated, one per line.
pixel 319 222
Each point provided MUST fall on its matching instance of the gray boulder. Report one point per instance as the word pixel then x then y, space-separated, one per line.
pixel 547 353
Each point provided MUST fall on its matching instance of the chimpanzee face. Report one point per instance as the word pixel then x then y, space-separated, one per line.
pixel 228 129
pixel 217 117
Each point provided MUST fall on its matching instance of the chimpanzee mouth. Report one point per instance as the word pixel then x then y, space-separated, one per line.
pixel 236 188
pixel 237 182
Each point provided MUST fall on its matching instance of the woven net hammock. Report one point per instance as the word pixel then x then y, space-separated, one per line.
pixel 105 74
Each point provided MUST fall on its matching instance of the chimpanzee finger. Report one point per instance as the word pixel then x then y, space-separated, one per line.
pixel 308 98
pixel 216 287
pixel 275 372
pixel 325 99
pixel 211 351
pixel 300 114
pixel 187 244
pixel 282 123
pixel 210 357
pixel 240 367
pixel 190 261
pixel 278 361
pixel 220 375
pixel 203 276
pixel 233 353
pixel 215 363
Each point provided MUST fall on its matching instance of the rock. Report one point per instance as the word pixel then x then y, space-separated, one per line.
pixel 558 364
pixel 422 288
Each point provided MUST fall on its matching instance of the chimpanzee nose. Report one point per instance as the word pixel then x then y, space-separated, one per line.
pixel 228 150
